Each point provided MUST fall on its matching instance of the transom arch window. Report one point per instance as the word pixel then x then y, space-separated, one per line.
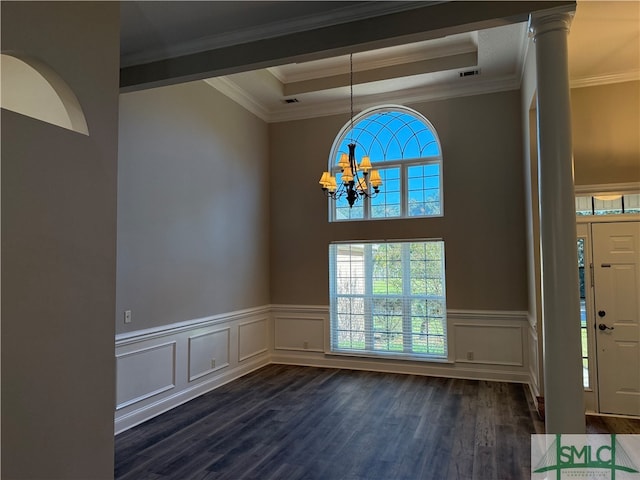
pixel 404 147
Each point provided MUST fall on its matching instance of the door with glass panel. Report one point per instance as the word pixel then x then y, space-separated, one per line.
pixel 616 261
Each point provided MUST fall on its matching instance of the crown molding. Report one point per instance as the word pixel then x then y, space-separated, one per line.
pixel 366 65
pixel 409 96
pixel 240 96
pixel 416 95
pixel 337 16
pixel 594 81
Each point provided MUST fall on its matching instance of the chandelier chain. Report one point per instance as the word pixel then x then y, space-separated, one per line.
pixel 351 84
pixel 354 184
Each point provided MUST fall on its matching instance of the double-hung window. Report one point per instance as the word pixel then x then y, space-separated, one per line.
pixel 388 298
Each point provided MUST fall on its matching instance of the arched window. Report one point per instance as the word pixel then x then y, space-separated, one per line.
pixel 404 147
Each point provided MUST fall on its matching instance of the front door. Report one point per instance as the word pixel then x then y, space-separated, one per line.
pixel 616 262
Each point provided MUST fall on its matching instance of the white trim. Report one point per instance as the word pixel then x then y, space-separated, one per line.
pixel 493 362
pixel 387 356
pixel 631 187
pixel 243 358
pixel 606 79
pixel 458 313
pixel 613 415
pixel 466 44
pixel 313 309
pixel 439 369
pixel 459 88
pixel 157 391
pixel 402 164
pixel 626 217
pixel 140 415
pixel 230 89
pixel 524 51
pixel 139 410
pixel 489 314
pixel 209 370
pixel 186 383
pixel 291 316
pixel 172 328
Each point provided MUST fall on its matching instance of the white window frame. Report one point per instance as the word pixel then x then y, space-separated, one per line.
pixel 403 164
pixel 368 296
pixel 605 189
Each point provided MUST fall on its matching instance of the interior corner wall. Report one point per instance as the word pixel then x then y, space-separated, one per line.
pixel 59 251
pixel 193 196
pixel 483 225
pixel 605 125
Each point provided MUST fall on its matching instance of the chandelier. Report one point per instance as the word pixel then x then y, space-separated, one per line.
pixel 353 185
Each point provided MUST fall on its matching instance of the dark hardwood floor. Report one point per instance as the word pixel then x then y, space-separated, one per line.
pixel 288 422
pixel 606 424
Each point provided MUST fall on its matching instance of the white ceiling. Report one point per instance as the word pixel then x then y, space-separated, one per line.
pixel 604 47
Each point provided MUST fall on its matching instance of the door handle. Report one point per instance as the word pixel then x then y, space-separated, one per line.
pixel 601 313
pixel 603 327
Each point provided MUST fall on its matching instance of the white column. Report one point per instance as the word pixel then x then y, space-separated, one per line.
pixel 563 389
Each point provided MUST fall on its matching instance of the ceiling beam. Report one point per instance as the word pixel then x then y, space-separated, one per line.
pixel 450 62
pixel 418 24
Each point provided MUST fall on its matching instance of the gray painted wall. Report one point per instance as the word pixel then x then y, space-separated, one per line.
pixel 483 226
pixel 606 143
pixel 59 250
pixel 193 218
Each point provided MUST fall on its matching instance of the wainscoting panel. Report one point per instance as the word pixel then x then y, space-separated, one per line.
pixel 208 353
pixel 152 371
pixel 160 368
pixel 496 339
pixel 253 338
pixel 489 344
pixel 295 333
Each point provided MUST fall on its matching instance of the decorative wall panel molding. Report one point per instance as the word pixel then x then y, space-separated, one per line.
pixel 160 368
pixel 469 331
pixel 253 338
pixel 190 325
pixel 489 344
pixel 208 353
pixel 150 372
pixel 296 333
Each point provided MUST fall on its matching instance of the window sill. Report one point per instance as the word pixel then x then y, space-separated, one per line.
pixel 375 219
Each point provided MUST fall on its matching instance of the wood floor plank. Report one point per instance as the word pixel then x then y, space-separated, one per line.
pixel 301 423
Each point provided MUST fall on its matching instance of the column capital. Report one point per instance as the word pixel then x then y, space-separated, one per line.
pixel 559 18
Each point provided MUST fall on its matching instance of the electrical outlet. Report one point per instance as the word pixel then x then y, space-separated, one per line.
pixel 213 363
pixel 305 345
pixel 127 316
pixel 469 355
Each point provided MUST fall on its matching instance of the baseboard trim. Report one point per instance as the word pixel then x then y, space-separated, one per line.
pixel 235 363
pixel 405 367
pixel 147 412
